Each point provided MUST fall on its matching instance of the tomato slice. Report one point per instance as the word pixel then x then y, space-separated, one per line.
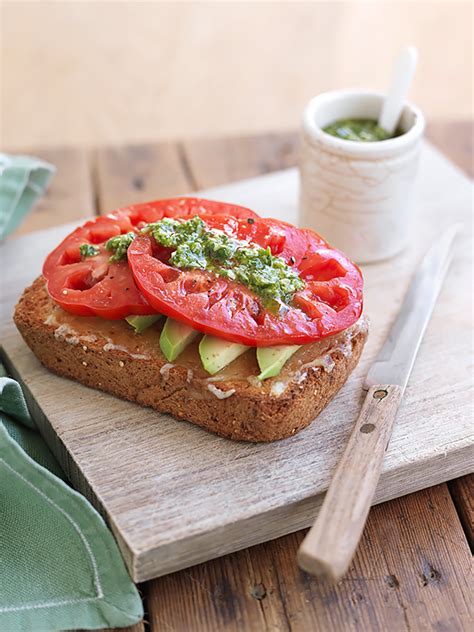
pixel 330 302
pixel 94 286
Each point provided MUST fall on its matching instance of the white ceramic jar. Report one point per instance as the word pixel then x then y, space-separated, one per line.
pixel 358 195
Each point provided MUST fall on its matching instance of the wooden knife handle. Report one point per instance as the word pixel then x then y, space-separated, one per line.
pixel 329 546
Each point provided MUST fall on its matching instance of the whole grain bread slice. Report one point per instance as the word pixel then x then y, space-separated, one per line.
pixel 238 407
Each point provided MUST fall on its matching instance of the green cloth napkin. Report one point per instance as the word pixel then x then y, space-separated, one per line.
pixel 22 180
pixel 60 567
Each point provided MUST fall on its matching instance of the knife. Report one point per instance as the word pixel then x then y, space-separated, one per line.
pixel 329 546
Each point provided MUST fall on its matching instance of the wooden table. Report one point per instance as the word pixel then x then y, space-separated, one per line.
pixel 413 566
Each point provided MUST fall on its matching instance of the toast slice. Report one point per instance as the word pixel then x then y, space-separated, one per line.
pixel 109 356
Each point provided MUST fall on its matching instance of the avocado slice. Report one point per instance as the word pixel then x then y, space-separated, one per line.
pixel 175 337
pixel 217 353
pixel 271 359
pixel 140 323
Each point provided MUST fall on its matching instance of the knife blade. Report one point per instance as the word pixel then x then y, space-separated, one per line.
pixel 395 360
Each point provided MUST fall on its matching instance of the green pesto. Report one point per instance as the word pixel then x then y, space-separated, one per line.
pixel 119 245
pixel 362 130
pixel 88 250
pixel 197 247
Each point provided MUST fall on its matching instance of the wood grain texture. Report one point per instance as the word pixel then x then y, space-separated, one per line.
pixel 462 491
pixel 70 193
pixel 456 139
pixel 330 544
pixel 139 173
pixel 411 573
pixel 122 456
pixel 217 161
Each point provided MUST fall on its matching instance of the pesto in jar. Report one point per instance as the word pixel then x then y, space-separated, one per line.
pixel 362 130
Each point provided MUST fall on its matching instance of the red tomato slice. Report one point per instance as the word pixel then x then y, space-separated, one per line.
pixel 96 287
pixel 330 302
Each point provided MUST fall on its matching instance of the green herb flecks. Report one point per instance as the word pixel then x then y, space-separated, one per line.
pixel 362 130
pixel 197 247
pixel 88 250
pixel 119 245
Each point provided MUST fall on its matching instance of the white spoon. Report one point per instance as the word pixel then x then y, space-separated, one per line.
pixel 402 74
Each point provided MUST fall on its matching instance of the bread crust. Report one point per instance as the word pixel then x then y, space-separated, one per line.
pixel 250 414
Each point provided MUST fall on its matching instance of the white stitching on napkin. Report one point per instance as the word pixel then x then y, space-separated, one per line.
pixel 97 584
pixel 48 604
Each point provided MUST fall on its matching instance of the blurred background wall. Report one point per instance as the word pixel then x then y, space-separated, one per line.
pixel 91 73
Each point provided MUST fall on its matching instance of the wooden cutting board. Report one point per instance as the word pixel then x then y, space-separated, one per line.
pixel 176 495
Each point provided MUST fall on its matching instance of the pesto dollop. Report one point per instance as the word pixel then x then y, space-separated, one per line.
pixel 197 247
pixel 119 246
pixel 362 130
pixel 88 250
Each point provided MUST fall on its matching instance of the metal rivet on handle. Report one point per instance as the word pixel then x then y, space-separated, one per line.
pixel 367 428
pixel 380 394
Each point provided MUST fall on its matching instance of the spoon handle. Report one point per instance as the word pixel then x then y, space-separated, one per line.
pixel 402 75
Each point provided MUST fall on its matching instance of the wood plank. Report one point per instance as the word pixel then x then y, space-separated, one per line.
pixel 139 173
pixel 462 492
pixel 456 139
pixel 70 193
pixel 222 160
pixel 412 572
